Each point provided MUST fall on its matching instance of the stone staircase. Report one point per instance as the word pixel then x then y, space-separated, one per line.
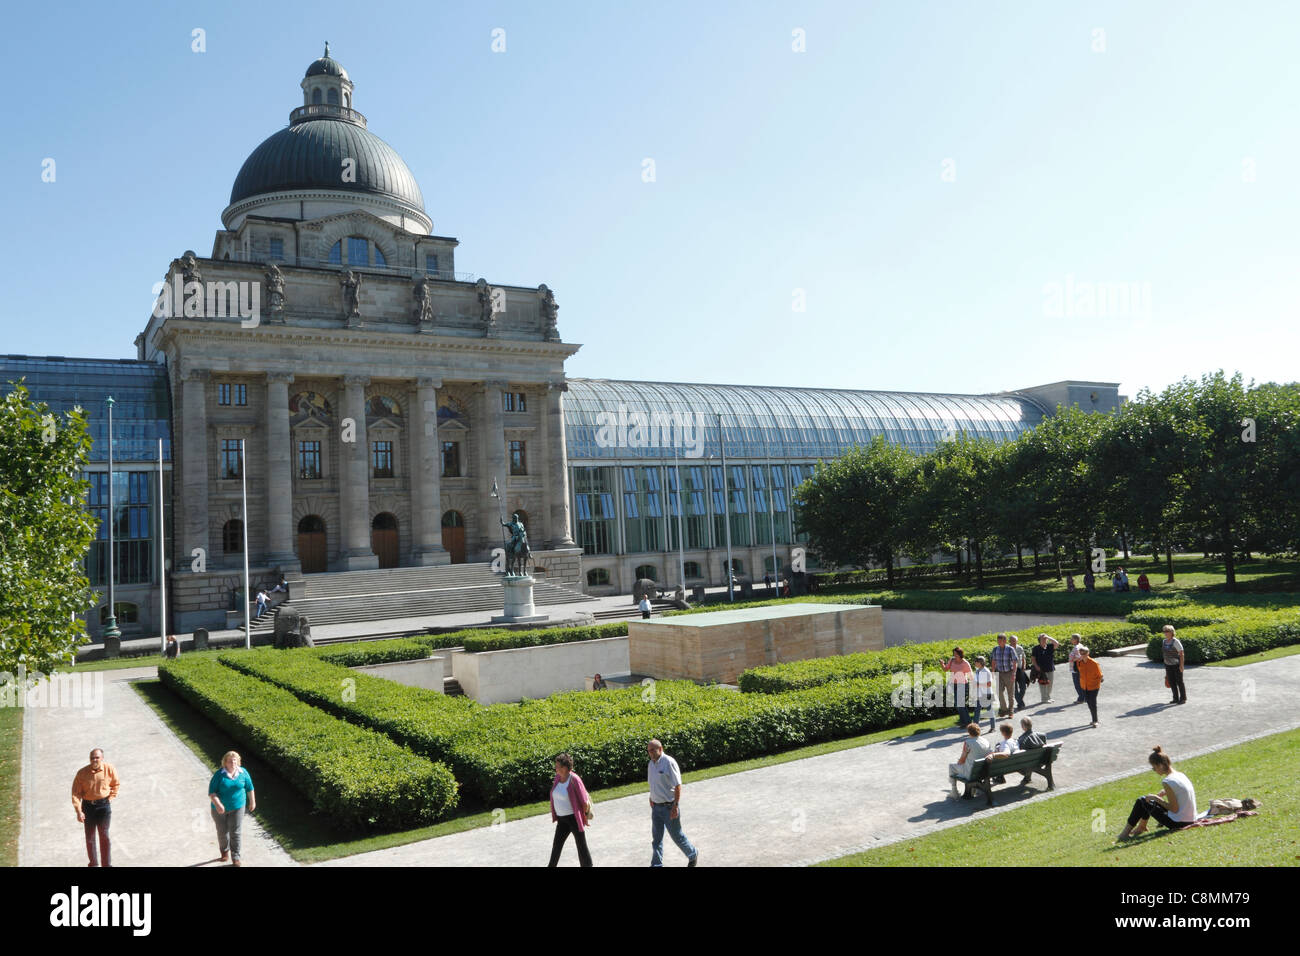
pixel 347 597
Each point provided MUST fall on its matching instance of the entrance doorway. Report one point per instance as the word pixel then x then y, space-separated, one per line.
pixel 311 544
pixel 453 536
pixel 383 539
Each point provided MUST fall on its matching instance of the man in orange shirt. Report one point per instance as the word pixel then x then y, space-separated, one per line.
pixel 93 789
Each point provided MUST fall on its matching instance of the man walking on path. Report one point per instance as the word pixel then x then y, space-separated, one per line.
pixel 93 789
pixel 1004 665
pixel 1045 665
pixel 665 794
pixel 1174 660
pixel 1022 673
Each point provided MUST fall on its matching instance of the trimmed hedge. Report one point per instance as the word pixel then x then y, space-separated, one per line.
pixel 372 652
pixel 503 640
pixel 1006 602
pixel 1246 632
pixel 1099 636
pixel 356 776
pixel 505 752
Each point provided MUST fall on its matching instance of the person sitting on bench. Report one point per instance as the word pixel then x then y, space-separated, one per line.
pixel 1004 748
pixel 1029 740
pixel 1175 810
pixel 972 750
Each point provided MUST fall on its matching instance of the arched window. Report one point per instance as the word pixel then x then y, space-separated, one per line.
pixel 315 96
pixel 347 99
pixel 379 258
pixel 452 519
pixel 333 96
pixel 232 536
pixel 384 521
pixel 597 577
pixel 647 571
pixel 691 569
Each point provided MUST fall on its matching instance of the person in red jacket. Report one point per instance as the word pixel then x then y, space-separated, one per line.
pixel 570 809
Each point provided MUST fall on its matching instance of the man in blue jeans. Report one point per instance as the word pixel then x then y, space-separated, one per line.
pixel 665 794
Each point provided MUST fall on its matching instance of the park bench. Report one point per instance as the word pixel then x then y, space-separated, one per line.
pixel 1037 761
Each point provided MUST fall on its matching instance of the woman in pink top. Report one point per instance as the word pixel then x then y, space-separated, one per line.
pixel 959 672
pixel 570 809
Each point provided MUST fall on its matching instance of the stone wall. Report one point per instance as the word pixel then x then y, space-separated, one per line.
pixel 719 645
pixel 494 677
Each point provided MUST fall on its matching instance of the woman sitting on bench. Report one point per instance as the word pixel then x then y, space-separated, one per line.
pixel 1175 810
pixel 972 750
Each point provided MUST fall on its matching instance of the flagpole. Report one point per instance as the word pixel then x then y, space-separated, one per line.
pixel 162 556
pixel 243 483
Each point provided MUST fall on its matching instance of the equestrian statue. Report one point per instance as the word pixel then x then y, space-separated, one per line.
pixel 517 553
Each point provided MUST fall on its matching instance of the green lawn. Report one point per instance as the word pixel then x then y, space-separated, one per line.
pixel 308 838
pixel 11 780
pixel 1079 829
pixel 144 660
pixel 1268 655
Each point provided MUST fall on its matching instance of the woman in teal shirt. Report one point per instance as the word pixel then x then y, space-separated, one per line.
pixel 230 792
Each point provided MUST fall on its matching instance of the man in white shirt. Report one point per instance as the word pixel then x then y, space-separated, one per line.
pixel 665 780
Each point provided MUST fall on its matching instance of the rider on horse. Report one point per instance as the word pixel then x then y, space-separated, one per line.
pixel 517 547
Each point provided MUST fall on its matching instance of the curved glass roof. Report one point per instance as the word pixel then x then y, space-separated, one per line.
pixel 610 420
pixel 141 402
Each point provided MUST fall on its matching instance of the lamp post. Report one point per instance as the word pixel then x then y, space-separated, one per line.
pixel 726 509
pixel 681 540
pixel 501 507
pixel 243 524
pixel 162 555
pixel 110 626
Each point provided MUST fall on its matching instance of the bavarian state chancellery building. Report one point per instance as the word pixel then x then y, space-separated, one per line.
pixel 380 396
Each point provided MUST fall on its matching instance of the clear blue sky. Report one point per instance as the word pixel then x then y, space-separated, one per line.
pixel 775 171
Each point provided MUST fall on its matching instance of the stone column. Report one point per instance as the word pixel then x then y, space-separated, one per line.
pixel 279 475
pixel 194 488
pixel 493 444
pixel 557 466
pixel 426 473
pixel 354 479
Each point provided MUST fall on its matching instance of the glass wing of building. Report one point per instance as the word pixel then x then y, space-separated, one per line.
pixel 608 420
pixel 141 416
pixel 646 458
pixel 141 402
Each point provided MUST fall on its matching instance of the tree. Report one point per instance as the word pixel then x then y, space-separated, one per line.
pixel 959 495
pixel 45 532
pixel 1225 466
pixel 854 508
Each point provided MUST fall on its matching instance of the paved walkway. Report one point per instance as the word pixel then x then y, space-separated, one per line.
pixel 160 816
pixel 847 801
pixel 824 807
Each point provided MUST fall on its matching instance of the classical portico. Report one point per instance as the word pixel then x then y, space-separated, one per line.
pixel 378 392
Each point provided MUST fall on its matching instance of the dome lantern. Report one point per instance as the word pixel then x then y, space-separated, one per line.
pixel 326 83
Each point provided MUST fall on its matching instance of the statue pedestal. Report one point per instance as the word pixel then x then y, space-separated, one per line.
pixel 519 601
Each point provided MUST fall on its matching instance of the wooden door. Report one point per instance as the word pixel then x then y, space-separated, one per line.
pixel 311 551
pixel 453 539
pixel 383 541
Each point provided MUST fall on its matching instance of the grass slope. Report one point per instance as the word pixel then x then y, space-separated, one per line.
pixel 1079 829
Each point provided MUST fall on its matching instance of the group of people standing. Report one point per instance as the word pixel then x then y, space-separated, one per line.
pixel 1118 581
pixel 1013 671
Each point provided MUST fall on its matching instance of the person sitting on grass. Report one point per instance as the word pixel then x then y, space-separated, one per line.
pixel 1003 748
pixel 1175 810
pixel 972 750
pixel 1030 739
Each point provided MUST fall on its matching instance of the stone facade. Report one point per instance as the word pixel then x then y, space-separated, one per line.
pixel 379 396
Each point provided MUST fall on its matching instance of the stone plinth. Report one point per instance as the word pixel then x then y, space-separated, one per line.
pixel 518 605
pixel 719 645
